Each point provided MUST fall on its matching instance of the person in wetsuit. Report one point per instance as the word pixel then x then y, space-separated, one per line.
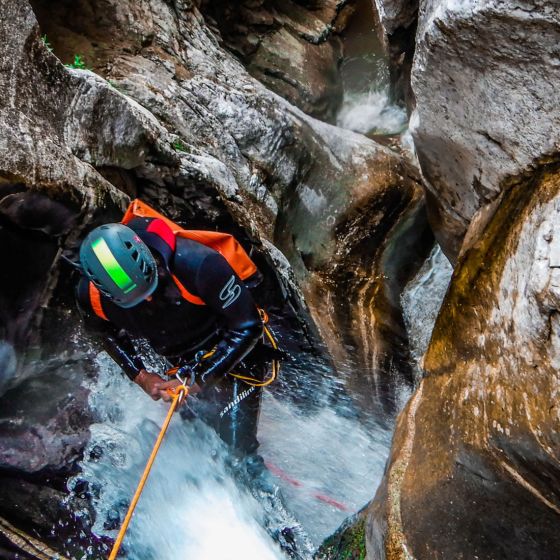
pixel 184 298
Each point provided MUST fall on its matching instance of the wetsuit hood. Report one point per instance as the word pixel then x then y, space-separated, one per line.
pixel 157 235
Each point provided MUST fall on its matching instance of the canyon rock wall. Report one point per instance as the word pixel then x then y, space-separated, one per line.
pixel 154 107
pixel 179 122
pixel 474 468
pixel 485 80
pixel 475 455
pixel 292 47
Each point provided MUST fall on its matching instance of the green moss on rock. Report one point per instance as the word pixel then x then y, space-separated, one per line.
pixel 348 543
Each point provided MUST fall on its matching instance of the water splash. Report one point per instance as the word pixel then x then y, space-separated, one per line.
pixel 371 112
pixel 366 105
pixel 408 147
pixel 193 507
pixel 329 464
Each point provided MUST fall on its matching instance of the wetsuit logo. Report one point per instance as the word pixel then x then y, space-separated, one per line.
pixel 230 292
pixel 236 401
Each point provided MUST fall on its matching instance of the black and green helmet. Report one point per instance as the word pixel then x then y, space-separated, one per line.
pixel 119 263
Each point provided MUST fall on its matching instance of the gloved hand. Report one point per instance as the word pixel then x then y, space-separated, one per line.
pixel 150 383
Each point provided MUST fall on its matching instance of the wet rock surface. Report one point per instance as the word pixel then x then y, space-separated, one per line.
pixel 173 118
pixel 474 470
pixel 474 456
pixel 291 47
pixel 237 148
pixel 355 295
pixel 485 80
pixel 38 434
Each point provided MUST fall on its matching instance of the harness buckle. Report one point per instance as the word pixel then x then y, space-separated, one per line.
pixel 186 370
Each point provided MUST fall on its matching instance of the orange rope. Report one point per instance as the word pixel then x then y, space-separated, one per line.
pixel 178 394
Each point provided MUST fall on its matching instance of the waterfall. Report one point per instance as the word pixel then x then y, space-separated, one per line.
pixel 324 463
pixel 366 105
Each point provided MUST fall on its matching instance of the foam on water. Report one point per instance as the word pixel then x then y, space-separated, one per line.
pixel 327 466
pixel 191 506
pixel 371 112
pixel 366 105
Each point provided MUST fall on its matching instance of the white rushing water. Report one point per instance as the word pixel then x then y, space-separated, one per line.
pixel 371 112
pixel 191 506
pixel 325 463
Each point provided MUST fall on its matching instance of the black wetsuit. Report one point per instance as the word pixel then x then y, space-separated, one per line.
pixel 229 323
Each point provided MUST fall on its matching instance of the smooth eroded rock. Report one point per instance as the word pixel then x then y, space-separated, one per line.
pixel 474 470
pixel 291 47
pixel 485 79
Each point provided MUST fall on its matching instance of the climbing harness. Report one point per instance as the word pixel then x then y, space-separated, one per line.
pixel 179 394
pixel 275 370
pixel 251 381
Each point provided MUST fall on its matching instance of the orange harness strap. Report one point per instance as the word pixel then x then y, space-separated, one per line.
pixel 95 299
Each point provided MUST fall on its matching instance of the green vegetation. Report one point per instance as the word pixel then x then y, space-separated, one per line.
pixel 78 64
pixel 348 543
pixel 46 42
pixel 179 146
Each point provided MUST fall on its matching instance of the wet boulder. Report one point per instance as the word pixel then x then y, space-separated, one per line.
pixel 485 79
pixel 41 435
pixel 474 470
pixel 291 47
pixel 304 73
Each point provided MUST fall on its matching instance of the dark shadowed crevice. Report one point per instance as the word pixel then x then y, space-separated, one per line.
pixel 30 227
pixel 401 47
